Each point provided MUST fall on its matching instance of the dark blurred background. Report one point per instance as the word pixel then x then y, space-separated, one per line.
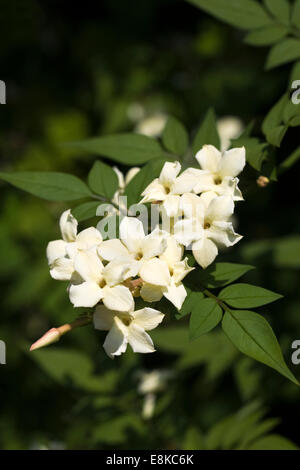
pixel 75 70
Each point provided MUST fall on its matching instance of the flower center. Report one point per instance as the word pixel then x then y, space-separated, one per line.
pixel 207 225
pixel 102 283
pixel 125 319
pixel 218 180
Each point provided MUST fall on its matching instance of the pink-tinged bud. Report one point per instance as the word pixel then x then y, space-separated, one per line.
pixel 52 336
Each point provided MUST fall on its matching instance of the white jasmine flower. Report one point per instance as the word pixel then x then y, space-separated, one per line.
pixel 127 328
pixel 163 278
pixel 218 171
pixel 206 225
pixel 134 246
pixel 152 126
pixel 151 383
pixel 168 187
pixel 61 253
pixel 93 282
pixel 229 127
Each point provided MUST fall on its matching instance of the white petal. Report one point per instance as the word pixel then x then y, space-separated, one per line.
pixel 132 233
pixel 120 177
pixel 229 187
pixel 180 270
pixel 192 206
pixel 88 265
pixel 209 158
pixel 173 252
pixel 116 340
pixel 68 226
pixel 184 183
pixel 223 233
pixel 155 191
pixel 56 249
pixel 111 249
pixel 72 249
pixel 233 162
pixel 205 182
pixel 139 340
pixel 62 269
pixel 220 208
pixel 188 230
pixel 103 318
pixel 168 173
pixel 118 298
pixel 171 205
pixel 205 252
pixel 117 270
pixel 148 318
pixel 131 174
pixel 151 293
pixel 89 237
pixel 155 271
pixel 154 244
pixel 176 294
pixel 87 294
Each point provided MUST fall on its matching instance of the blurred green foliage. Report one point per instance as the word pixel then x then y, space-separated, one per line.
pixel 72 73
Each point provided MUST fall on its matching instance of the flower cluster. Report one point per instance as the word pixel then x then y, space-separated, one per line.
pixel 195 208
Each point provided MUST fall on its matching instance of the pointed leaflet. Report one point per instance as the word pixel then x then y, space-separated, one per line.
pixel 190 301
pixel 280 9
pixel 284 51
pixel 266 36
pixel 129 149
pixel 220 274
pixel 207 133
pixel 244 14
pixel 48 185
pixel 141 180
pixel 247 296
pixel 205 316
pixel 253 336
pixel 86 210
pixel 175 137
pixel 103 180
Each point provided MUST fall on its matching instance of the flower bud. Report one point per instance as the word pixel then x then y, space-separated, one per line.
pixel 52 336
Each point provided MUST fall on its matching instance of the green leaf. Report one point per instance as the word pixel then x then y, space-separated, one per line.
pixel 103 180
pixel 48 185
pixel 86 210
pixel 255 154
pixel 296 13
pixel 221 274
pixel 266 36
pixel 273 442
pixel 63 365
pixel 175 137
pixel 280 9
pixel 190 301
pixel 253 336
pixel 247 296
pixel 245 14
pixel 274 116
pixel 207 133
pixel 193 439
pixel 283 52
pixel 141 180
pixel 129 149
pixel 276 135
pixel 205 316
